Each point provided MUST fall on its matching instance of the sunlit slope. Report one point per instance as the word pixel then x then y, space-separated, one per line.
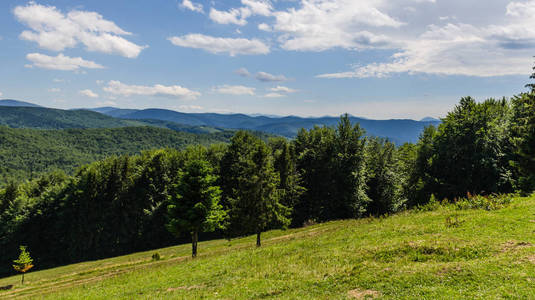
pixel 412 255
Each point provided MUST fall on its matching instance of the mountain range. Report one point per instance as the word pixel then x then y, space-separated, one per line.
pixel 21 114
pixel 399 131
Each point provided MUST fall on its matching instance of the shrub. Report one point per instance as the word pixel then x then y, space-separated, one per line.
pixel 490 202
pixel 432 204
pixel 156 256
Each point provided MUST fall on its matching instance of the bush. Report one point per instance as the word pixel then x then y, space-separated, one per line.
pixel 490 202
pixel 432 204
pixel 156 256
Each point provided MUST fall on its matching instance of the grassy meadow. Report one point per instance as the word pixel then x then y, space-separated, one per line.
pixel 440 254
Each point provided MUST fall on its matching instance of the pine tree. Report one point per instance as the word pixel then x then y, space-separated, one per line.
pixel 384 177
pixel 251 187
pixel 523 139
pixel 194 203
pixel 24 263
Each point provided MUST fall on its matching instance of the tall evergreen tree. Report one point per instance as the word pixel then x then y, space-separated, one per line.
pixel 285 165
pixel 332 162
pixel 469 148
pixel 523 140
pixel 383 177
pixel 250 187
pixel 194 203
pixel 421 182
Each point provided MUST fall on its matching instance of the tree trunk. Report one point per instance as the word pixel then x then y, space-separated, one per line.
pixel 194 239
pixel 258 244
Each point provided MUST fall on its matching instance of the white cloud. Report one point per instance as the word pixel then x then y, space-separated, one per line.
pixel 105 103
pixel 264 27
pixel 197 7
pixel 232 46
pixel 235 90
pixel 233 16
pixel 243 72
pixel 88 93
pixel 266 77
pixel 53 30
pixel 274 95
pixel 319 25
pixel 60 62
pixel 433 37
pixel 282 89
pixel 54 90
pixel 58 80
pixel 190 107
pixel 1 94
pixel 175 91
pixel 458 49
pixel 238 16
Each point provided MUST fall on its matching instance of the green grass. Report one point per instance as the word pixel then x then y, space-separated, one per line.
pixel 411 255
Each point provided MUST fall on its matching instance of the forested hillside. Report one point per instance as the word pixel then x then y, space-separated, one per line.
pixel 48 118
pixel 10 102
pixel 25 153
pixel 17 114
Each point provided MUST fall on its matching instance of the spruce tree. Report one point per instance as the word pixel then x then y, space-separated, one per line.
pixel 194 203
pixel 250 187
pixel 523 140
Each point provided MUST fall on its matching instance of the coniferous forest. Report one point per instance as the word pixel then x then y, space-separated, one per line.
pixel 129 203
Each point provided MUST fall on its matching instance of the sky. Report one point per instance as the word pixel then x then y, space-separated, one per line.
pixel 377 59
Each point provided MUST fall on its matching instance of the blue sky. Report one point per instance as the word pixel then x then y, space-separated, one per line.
pixel 371 58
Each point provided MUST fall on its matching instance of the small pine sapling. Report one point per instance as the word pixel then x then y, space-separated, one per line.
pixel 24 263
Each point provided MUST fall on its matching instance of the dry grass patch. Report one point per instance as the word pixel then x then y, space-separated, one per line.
pixel 363 294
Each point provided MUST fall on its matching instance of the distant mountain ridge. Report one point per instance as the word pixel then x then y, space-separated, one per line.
pixel 397 130
pixel 17 103
pixel 430 119
pixel 23 115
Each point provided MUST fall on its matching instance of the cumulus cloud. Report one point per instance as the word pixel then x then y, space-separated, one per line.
pixel 235 90
pixel 60 62
pixel 174 91
pixel 457 49
pixel 190 107
pixel 274 95
pixel 243 72
pixel 282 89
pixel 264 27
pixel 319 25
pixel 88 93
pixel 54 30
pixel 266 77
pixel 217 45
pixel 105 103
pixel 187 4
pixel 238 16
pixel 500 44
